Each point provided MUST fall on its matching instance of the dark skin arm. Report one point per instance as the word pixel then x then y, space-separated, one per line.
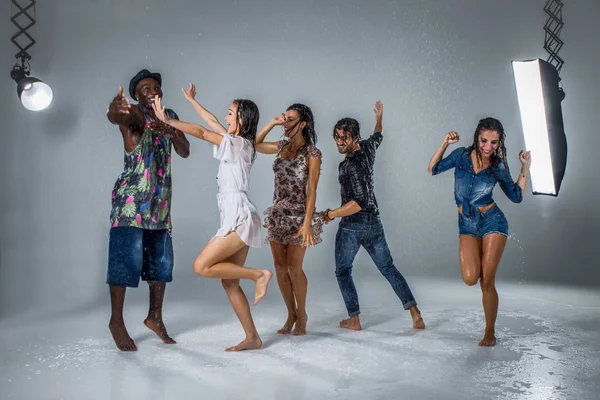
pixel 180 142
pixel 131 123
pixel 130 119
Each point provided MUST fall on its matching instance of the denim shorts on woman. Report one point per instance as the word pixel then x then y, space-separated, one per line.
pixel 135 253
pixel 491 221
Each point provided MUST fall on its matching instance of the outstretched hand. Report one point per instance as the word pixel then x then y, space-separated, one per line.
pixel 378 110
pixel 159 110
pixel 525 158
pixel 190 94
pixel 120 105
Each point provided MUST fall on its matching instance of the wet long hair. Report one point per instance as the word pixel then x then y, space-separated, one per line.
pixel 305 115
pixel 247 117
pixel 348 125
pixel 491 124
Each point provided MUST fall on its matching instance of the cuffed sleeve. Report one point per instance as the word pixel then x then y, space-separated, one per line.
pixel 508 186
pixel 376 138
pixel 447 162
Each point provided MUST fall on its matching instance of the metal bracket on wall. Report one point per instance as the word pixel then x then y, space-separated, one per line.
pixel 553 26
pixel 23 19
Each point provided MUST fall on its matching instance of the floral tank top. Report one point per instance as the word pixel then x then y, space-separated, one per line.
pixel 141 197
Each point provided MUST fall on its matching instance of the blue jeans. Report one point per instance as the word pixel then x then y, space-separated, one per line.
pixel 365 229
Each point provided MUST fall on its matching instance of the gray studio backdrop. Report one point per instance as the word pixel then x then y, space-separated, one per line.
pixel 437 65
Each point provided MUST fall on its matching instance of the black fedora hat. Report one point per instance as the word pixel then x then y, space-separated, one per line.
pixel 143 74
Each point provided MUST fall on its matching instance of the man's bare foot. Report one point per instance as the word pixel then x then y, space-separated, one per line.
pixel 489 338
pixel 261 285
pixel 121 337
pixel 287 327
pixel 247 344
pixel 300 327
pixel 418 322
pixel 351 323
pixel 158 327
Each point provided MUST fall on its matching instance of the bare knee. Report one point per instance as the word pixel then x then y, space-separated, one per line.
pixel 296 272
pixel 488 285
pixel 470 277
pixel 281 268
pixel 200 267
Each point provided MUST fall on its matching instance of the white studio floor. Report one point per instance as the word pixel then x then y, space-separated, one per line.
pixel 548 348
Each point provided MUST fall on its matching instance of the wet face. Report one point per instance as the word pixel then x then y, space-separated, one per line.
pixel 488 142
pixel 231 119
pixel 292 124
pixel 145 91
pixel 344 142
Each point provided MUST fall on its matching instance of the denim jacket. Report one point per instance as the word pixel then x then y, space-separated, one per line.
pixel 473 190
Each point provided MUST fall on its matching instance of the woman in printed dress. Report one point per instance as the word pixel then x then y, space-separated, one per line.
pixel 224 256
pixel 291 221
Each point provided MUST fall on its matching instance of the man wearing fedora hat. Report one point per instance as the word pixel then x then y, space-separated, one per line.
pixel 140 235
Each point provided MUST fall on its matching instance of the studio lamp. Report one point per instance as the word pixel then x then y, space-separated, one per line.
pixel 35 95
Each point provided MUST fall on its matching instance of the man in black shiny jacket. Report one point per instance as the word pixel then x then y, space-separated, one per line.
pixel 360 224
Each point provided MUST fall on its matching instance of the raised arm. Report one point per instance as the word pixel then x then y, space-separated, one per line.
pixel 191 129
pixel 375 139
pixel 514 191
pixel 378 117
pixel 212 121
pixel 120 112
pixel 525 158
pixel 450 138
pixel 268 147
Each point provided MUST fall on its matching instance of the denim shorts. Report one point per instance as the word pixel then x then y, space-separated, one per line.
pixel 490 221
pixel 135 253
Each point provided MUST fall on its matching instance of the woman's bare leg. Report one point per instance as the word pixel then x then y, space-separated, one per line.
pixel 469 253
pixel 279 252
pixel 493 247
pixel 210 263
pixel 240 305
pixel 295 259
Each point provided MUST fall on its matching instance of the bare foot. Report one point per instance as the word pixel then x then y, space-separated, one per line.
pixel 158 327
pixel 351 323
pixel 300 327
pixel 489 338
pixel 261 285
pixel 418 322
pixel 287 327
pixel 247 344
pixel 121 337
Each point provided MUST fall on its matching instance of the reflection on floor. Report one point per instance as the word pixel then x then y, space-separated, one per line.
pixel 548 348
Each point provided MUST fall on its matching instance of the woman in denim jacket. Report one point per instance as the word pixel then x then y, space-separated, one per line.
pixel 482 226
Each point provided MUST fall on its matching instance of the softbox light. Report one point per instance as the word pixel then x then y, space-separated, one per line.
pixel 539 97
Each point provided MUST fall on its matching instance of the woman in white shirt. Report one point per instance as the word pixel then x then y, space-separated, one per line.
pixel 224 256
